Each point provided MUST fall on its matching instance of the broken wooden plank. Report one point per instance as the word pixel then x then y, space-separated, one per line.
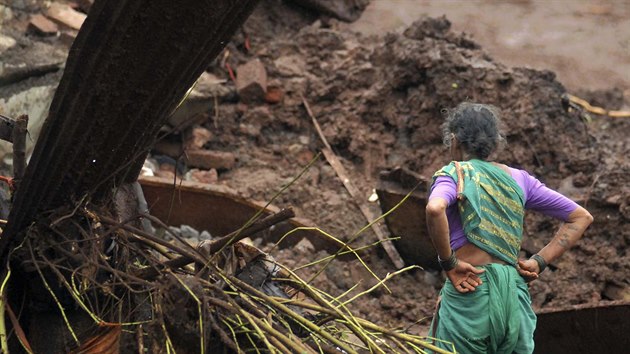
pixel 19 147
pixel 334 162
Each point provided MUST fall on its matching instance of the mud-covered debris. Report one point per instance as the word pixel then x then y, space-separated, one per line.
pixel 202 176
pixel 438 28
pixel 274 95
pixel 196 138
pixel 251 81
pixel 207 91
pixel 66 15
pixel 207 159
pixel 6 42
pixel 41 25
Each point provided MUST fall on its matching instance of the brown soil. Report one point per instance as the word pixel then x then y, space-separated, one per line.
pixel 379 101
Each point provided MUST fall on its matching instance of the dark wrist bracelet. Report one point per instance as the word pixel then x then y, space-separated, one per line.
pixel 449 263
pixel 541 262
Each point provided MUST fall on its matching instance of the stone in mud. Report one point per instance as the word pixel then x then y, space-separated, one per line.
pixel 42 26
pixel 208 159
pixel 196 138
pixel 251 81
pixel 66 15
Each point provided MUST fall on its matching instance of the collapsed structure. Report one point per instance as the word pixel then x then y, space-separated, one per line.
pixel 379 102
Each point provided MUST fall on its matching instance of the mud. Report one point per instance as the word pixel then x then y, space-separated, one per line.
pixel 380 101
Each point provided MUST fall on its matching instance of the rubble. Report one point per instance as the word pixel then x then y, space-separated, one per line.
pixel 42 26
pixel 209 159
pixel 203 176
pixel 196 138
pixel 379 102
pixel 251 81
pixel 65 15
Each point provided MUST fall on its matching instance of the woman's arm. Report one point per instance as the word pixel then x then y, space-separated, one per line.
pixel 437 223
pixel 568 234
pixel 566 237
pixel 463 275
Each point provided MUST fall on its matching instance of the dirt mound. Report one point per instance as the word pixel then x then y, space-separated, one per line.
pixel 380 101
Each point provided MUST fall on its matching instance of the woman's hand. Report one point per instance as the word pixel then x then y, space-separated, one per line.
pixel 528 269
pixel 464 276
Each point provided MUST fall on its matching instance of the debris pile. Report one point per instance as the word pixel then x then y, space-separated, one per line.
pixel 379 102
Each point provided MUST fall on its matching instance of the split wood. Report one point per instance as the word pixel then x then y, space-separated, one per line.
pixel 333 160
pixel 19 148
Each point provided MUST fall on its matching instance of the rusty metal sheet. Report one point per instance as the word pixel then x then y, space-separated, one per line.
pixel 584 329
pixel 408 220
pixel 219 210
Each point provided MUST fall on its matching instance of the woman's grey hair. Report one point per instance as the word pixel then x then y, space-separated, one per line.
pixel 476 127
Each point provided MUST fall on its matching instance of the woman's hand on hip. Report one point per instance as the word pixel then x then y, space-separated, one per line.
pixel 528 269
pixel 464 276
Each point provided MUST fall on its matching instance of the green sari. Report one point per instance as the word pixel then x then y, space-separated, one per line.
pixel 497 317
pixel 491 205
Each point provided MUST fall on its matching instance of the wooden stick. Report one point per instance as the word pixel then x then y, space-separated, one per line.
pixel 333 160
pixel 19 148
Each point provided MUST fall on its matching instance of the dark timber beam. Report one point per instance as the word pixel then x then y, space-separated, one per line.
pixel 130 65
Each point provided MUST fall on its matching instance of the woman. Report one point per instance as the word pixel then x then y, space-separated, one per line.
pixel 475 220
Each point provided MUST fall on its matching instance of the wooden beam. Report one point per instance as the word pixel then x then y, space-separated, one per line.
pixel 334 162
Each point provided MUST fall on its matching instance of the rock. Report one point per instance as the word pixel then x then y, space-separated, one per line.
pixel 35 102
pixel 204 236
pixel 208 159
pixel 210 86
pixel 251 81
pixel 188 232
pixel 274 95
pixel 67 37
pixel 196 138
pixel 304 140
pixel 66 15
pixel 204 176
pixel 193 110
pixel 42 26
pixel 252 130
pixel 304 157
pixel 5 14
pixel 165 174
pixel 290 65
pixel 6 42
pixel 304 247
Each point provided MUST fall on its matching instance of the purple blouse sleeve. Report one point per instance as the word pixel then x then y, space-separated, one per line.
pixel 545 200
pixel 444 187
